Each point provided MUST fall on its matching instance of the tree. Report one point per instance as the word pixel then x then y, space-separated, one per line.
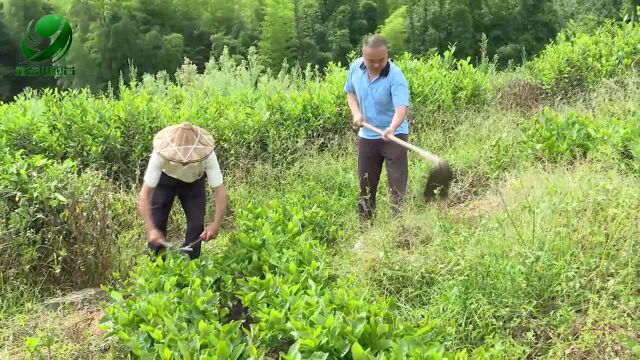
pixel 538 20
pixel 7 52
pixel 462 29
pixel 395 31
pixel 370 15
pixel 394 5
pixel 340 45
pixel 82 15
pixel 416 22
pixel 171 53
pixel 18 13
pixel 631 8
pixel 277 42
pixel 383 10
pixel 123 46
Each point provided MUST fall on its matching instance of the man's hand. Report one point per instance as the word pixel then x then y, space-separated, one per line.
pixel 358 120
pixel 156 237
pixel 210 232
pixel 388 131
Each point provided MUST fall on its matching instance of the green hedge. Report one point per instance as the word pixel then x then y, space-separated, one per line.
pixel 578 60
pixel 557 137
pixel 252 116
pixel 274 266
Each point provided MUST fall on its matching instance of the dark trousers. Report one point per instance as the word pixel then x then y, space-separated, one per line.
pixel 372 153
pixel 192 197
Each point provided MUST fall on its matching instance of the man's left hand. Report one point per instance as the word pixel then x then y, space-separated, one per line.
pixel 210 232
pixel 388 131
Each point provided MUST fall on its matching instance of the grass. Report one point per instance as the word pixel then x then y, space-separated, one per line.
pixel 540 257
pixel 538 260
pixel 66 333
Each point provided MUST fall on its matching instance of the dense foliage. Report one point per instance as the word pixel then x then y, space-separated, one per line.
pixel 550 257
pixel 252 115
pixel 267 293
pixel 157 34
pixel 578 60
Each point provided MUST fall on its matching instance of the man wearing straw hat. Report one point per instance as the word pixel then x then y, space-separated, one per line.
pixel 183 161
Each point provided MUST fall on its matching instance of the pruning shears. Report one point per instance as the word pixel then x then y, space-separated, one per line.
pixel 183 248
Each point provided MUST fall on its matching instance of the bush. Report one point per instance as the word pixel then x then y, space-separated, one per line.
pixel 274 270
pixel 559 138
pixel 579 60
pixel 58 225
pixel 251 114
pixel 555 137
pixel 444 83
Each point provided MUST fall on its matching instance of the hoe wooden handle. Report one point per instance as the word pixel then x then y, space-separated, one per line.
pixel 424 153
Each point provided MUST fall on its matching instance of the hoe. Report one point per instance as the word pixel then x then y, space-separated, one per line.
pixel 441 175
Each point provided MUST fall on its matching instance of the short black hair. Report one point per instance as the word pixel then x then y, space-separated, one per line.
pixel 375 40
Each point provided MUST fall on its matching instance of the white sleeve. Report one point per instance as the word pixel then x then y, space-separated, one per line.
pixel 214 175
pixel 154 170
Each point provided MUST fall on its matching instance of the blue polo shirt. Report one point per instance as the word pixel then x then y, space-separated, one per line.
pixel 378 98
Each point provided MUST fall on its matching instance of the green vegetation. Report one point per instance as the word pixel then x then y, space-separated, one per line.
pixel 278 271
pixel 157 35
pixel 535 255
pixel 580 60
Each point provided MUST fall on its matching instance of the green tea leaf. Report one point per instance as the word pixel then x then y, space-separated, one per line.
pixel 166 354
pixel 222 350
pixel 116 296
pixel 32 343
pixel 237 351
pixel 358 352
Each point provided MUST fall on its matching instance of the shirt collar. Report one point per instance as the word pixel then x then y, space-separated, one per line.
pixel 384 71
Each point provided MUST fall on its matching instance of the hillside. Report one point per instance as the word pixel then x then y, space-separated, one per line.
pixel 535 254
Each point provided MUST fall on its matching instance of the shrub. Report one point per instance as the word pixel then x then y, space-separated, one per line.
pixel 444 83
pixel 274 266
pixel 556 137
pixel 578 60
pixel 251 114
pixel 58 224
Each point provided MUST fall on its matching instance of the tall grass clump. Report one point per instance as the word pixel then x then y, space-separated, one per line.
pixel 543 262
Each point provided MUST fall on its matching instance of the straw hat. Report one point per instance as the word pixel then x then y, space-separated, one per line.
pixel 183 143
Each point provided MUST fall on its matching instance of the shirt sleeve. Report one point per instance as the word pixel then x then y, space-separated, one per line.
pixel 399 90
pixel 214 175
pixel 154 171
pixel 348 86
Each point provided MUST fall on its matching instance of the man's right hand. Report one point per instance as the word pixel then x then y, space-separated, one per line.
pixel 358 120
pixel 156 237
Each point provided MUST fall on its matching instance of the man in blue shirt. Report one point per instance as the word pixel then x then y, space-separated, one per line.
pixel 378 93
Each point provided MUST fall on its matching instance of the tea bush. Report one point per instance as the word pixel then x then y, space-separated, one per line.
pixel 566 137
pixel 252 115
pixel 442 83
pixel 559 138
pixel 275 267
pixel 579 60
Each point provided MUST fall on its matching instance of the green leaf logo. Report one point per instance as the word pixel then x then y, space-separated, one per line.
pixel 49 39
